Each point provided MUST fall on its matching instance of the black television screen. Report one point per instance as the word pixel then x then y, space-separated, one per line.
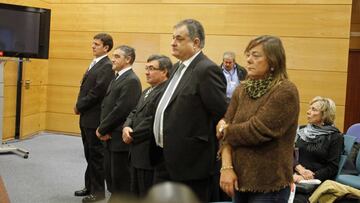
pixel 24 31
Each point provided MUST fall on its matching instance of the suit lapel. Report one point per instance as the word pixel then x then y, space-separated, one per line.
pixel 116 82
pixel 98 64
pixel 144 101
pixel 187 75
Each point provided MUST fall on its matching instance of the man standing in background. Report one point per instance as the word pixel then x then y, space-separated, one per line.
pixel 92 91
pixel 233 72
pixel 121 97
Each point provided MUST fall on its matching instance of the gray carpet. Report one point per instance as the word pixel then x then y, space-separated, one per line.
pixel 54 170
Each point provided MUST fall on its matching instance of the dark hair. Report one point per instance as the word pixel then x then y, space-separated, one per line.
pixel 128 52
pixel 106 39
pixel 275 54
pixel 195 29
pixel 164 62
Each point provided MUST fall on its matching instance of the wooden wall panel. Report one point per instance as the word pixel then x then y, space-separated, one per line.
pixel 283 20
pixel 8 128
pixel 35 3
pixel 64 46
pixel 61 99
pixel 35 71
pixel 61 122
pixel 341 2
pixel 67 72
pixel 301 53
pixel 30 125
pixel 10 73
pixel 321 53
pixel 317 83
pixel 31 100
pixel 9 101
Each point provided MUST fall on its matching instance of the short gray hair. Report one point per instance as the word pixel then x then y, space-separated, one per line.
pixel 229 54
pixel 128 51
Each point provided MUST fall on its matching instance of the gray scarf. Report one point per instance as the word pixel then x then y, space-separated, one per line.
pixel 315 135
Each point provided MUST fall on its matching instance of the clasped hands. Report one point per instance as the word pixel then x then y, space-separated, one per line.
pixel 302 174
pixel 102 137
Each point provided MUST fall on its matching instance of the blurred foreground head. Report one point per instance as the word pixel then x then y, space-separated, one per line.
pixel 170 192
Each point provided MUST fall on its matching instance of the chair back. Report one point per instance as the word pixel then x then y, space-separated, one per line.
pixel 348 143
pixel 358 162
pixel 354 130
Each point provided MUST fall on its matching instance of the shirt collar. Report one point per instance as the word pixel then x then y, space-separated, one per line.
pixel 188 61
pixel 99 58
pixel 122 72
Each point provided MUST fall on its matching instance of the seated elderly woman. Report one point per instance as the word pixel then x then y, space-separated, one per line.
pixel 319 143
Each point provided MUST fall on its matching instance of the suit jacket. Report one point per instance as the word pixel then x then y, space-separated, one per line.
pixel 121 97
pixel 141 121
pixel 197 104
pixel 92 91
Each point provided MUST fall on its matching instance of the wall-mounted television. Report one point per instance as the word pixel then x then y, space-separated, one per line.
pixel 24 31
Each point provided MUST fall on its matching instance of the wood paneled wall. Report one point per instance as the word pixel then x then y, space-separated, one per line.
pixel 315 35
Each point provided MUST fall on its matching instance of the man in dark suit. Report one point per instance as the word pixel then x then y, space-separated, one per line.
pixel 233 72
pixel 92 91
pixel 121 97
pixel 187 113
pixel 138 126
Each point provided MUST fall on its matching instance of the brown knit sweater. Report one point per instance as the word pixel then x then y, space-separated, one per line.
pixel 261 133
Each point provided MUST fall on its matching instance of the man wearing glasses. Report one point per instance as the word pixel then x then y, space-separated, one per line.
pixel 137 129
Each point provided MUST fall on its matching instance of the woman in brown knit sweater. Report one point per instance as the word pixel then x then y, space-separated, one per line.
pixel 259 128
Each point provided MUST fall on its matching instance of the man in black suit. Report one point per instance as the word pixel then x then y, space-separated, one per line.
pixel 233 72
pixel 121 97
pixel 187 113
pixel 138 126
pixel 92 91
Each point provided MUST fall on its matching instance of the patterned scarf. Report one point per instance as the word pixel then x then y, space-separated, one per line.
pixel 257 88
pixel 315 135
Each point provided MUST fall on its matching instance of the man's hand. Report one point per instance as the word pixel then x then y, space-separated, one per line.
pixel 102 137
pixel 126 135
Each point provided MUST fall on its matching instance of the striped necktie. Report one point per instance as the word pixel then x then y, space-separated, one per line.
pixel 158 132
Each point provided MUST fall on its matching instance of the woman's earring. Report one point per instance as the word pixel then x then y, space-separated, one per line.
pixel 272 69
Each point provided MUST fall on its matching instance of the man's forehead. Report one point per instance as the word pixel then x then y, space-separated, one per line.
pixel 181 31
pixel 153 63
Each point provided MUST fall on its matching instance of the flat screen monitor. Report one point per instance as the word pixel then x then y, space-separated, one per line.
pixel 24 31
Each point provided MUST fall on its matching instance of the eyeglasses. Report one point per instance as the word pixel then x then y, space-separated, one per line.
pixel 151 68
